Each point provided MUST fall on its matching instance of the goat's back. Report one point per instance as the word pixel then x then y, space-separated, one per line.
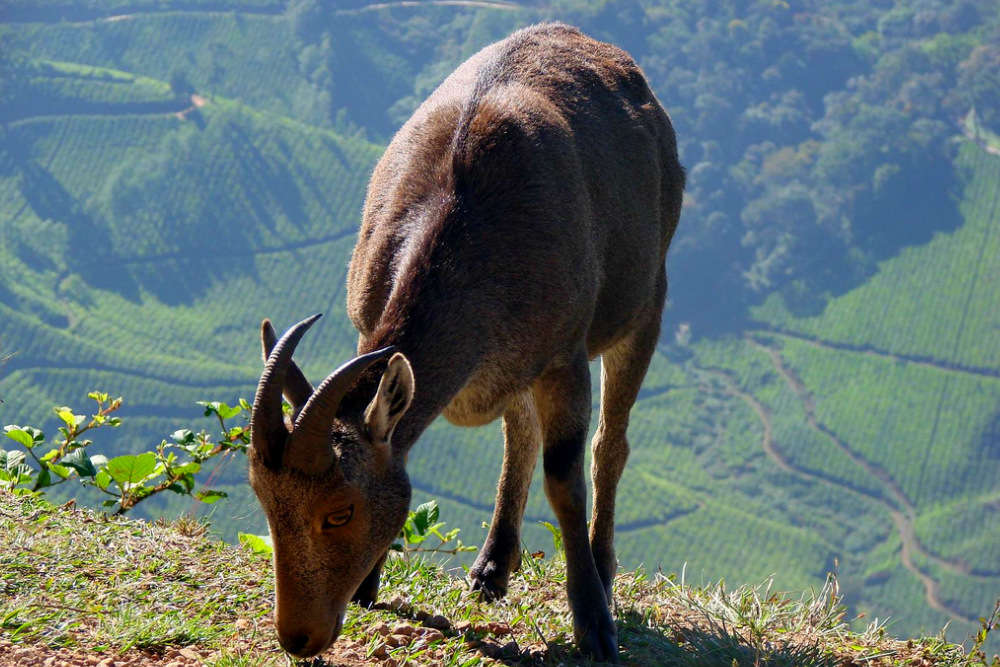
pixel 527 206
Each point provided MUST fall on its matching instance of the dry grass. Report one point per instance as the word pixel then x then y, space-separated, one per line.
pixel 79 588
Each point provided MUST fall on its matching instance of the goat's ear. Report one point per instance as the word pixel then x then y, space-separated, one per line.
pixel 393 398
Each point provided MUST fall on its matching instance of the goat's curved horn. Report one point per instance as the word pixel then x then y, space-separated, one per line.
pixel 268 432
pixel 297 388
pixel 314 422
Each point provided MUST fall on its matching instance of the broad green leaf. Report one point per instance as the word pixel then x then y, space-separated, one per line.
pixel 19 436
pixel 60 471
pixel 223 410
pixel 131 468
pixel 71 420
pixel 227 412
pixel 102 479
pixel 98 460
pixel 78 461
pixel 44 479
pixel 425 515
pixel 209 497
pixel 191 467
pixel 259 544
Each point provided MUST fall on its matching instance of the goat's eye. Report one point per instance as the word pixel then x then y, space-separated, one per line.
pixel 338 517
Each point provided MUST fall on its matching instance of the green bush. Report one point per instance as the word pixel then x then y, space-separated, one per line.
pixel 128 479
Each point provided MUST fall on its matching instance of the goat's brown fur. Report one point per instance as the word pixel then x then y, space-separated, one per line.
pixel 516 227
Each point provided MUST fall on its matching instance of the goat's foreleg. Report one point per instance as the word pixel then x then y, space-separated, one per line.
pixel 501 553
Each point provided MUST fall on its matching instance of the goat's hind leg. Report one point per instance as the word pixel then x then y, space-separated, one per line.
pixel 562 395
pixel 501 553
pixel 623 368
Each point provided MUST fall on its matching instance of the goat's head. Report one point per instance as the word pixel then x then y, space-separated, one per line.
pixel 334 490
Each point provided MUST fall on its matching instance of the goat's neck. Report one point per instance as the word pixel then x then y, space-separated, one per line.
pixel 441 361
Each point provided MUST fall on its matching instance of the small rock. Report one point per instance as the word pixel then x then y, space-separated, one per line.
pixel 400 605
pixel 397 640
pixel 242 623
pixel 403 629
pixel 381 628
pixel 438 622
pixel 190 654
pixel 107 662
pixel 496 628
pixel 431 634
pixel 462 627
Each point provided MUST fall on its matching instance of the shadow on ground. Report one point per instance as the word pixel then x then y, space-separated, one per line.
pixel 640 644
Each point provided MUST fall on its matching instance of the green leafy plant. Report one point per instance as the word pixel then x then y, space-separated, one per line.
pixel 557 540
pixel 259 544
pixel 976 655
pixel 128 479
pixel 422 524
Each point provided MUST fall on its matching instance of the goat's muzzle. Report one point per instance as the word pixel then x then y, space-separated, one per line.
pixel 306 642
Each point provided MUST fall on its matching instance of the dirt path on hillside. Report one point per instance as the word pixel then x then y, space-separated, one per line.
pixel 768 445
pixel 975 138
pixel 197 102
pixel 902 516
pixel 179 108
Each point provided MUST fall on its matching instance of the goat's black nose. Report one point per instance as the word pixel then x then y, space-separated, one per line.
pixel 294 643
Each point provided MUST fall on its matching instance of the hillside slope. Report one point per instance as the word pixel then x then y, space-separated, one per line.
pixel 172 172
pixel 79 589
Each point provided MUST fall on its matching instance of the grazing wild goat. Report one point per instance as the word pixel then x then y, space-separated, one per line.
pixel 516 227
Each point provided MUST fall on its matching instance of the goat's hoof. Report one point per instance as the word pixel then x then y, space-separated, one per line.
pixel 488 579
pixel 597 635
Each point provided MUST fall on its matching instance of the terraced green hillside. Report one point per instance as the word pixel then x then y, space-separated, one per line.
pixel 170 173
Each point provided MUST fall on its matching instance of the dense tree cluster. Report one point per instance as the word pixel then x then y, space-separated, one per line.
pixel 817 136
